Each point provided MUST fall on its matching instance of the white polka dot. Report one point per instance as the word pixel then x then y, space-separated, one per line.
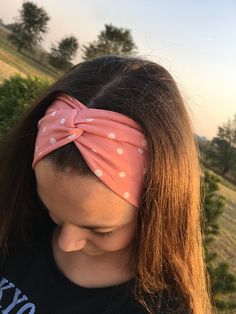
pixel 111 135
pixel 39 122
pixel 53 113
pixel 93 149
pixel 36 148
pixel 40 153
pixel 120 151
pixel 62 121
pixel 89 119
pixel 98 172
pixel 122 174
pixel 126 195
pixel 144 142
pixel 44 129
pixel 71 136
pixel 52 140
pixel 140 150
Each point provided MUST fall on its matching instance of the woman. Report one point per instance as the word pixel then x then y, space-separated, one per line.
pixel 101 221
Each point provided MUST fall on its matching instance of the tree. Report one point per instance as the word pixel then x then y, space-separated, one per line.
pixel 222 151
pixel 112 40
pixel 28 31
pixel 61 56
pixel 222 281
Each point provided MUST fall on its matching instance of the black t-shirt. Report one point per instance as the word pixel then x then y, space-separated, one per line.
pixel 30 282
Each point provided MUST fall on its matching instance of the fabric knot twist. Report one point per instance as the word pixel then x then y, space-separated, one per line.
pixel 112 144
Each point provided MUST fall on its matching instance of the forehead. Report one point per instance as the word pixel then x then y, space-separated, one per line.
pixel 86 198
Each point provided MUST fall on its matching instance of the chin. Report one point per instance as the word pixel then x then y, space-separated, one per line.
pixel 92 253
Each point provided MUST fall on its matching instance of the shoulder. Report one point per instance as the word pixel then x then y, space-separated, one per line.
pixel 165 303
pixel 169 303
pixel 162 302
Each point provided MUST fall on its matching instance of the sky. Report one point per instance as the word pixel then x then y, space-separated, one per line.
pixel 194 40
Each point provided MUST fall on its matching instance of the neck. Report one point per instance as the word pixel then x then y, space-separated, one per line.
pixel 118 259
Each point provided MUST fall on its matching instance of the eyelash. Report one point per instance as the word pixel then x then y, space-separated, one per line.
pixel 101 234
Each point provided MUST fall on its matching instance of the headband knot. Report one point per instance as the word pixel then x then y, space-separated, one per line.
pixel 112 144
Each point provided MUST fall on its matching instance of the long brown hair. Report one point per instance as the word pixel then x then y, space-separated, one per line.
pixel 168 248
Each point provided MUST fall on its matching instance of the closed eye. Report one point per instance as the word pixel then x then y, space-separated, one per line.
pixel 95 233
pixel 101 234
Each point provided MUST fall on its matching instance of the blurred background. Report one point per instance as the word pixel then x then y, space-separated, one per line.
pixel 193 40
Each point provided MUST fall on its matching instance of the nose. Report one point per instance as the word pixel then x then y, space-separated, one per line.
pixel 71 238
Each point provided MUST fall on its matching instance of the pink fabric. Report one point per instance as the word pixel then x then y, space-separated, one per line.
pixel 112 144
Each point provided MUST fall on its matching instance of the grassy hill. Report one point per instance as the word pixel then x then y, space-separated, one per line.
pixel 225 243
pixel 12 62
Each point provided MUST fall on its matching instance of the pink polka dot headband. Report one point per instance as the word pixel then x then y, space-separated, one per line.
pixel 112 144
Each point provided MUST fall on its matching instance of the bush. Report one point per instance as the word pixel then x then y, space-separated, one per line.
pixel 16 94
